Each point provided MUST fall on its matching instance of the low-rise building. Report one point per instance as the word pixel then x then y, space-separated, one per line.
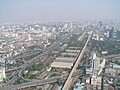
pixel 72 51
pixel 69 54
pixel 61 65
pixel 2 74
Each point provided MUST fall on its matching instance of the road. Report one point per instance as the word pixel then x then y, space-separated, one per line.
pixel 69 80
pixel 39 82
pixel 41 56
pixel 35 59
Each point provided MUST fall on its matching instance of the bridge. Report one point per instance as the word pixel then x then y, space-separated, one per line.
pixel 34 60
pixel 69 80
pixel 39 82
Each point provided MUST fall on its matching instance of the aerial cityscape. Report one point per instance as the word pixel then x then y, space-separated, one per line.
pixel 60 45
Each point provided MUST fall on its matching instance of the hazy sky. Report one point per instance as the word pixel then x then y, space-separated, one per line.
pixel 42 10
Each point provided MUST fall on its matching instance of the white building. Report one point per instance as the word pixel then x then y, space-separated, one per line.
pixel 95 63
pixel 2 69
pixel 2 74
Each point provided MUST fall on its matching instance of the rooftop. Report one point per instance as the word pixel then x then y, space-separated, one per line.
pixel 61 65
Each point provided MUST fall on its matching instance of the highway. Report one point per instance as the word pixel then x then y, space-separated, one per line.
pixel 39 82
pixel 24 54
pixel 40 56
pixel 34 60
pixel 81 37
pixel 69 80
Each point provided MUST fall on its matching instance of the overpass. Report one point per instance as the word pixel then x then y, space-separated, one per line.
pixel 69 80
pixel 40 56
pixel 39 82
pixel 35 60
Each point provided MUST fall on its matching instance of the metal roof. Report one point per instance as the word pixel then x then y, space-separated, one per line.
pixel 61 64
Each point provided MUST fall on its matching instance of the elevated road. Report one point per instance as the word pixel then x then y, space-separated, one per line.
pixel 39 82
pixel 42 55
pixel 69 80
pixel 34 60
pixel 37 58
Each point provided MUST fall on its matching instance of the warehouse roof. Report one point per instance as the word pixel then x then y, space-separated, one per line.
pixel 74 51
pixel 71 54
pixel 61 65
pixel 74 47
pixel 68 58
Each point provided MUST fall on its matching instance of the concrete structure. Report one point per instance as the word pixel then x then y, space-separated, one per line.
pixel 69 80
pixel 38 82
pixel 81 37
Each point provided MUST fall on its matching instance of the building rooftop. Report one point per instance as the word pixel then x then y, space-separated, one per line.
pixel 74 51
pixel 116 66
pixel 71 54
pixel 74 47
pixel 77 86
pixel 61 65
pixel 65 58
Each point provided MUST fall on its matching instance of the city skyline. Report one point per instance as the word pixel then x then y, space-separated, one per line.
pixel 45 10
pixel 59 45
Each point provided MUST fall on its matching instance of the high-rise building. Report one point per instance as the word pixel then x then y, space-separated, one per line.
pixel 2 73
pixel 111 33
pixel 2 69
pixel 95 63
